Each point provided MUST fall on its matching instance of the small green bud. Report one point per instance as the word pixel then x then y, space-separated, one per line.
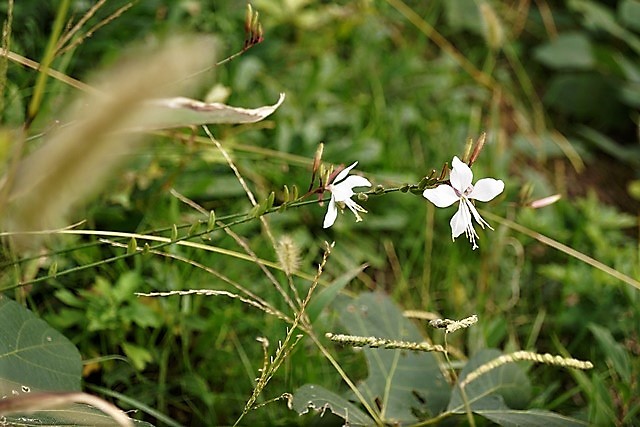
pixel 53 269
pixel 211 223
pixel 423 183
pixel 270 200
pixel 286 195
pixel 195 227
pixel 132 246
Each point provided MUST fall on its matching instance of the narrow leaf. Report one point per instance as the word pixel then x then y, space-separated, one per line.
pixel 530 418
pixel 327 295
pixel 615 352
pixel 180 112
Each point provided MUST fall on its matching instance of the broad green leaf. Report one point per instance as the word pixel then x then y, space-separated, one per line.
pixel 530 418
pixel 326 296
pixel 615 352
pixel 315 397
pixel 568 50
pixel 34 356
pixel 74 414
pixel 400 382
pixel 492 394
pixel 501 388
pixel 583 95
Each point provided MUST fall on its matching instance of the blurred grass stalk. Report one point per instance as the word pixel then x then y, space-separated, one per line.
pixel 78 156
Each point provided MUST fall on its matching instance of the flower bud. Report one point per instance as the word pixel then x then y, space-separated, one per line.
pixel 545 201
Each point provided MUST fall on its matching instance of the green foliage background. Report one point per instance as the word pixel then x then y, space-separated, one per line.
pixel 556 88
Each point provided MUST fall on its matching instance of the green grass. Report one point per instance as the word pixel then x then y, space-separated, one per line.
pixel 371 82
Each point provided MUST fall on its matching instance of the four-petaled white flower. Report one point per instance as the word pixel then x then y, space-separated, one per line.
pixel 341 189
pixel 463 191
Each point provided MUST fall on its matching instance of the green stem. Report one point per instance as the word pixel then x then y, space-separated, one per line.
pixel 49 54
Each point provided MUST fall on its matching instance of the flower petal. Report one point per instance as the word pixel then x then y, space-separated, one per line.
pixel 442 196
pixel 355 181
pixel 486 189
pixel 340 192
pixel 461 175
pixel 343 173
pixel 461 221
pixel 332 214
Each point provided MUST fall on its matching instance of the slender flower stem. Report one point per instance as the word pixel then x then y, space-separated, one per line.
pixel 237 219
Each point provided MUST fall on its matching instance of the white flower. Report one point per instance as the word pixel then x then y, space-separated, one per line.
pixel 463 191
pixel 341 191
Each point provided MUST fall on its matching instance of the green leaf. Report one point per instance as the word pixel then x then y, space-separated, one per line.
pixel 127 284
pixel 629 14
pixel 36 358
pixel 530 418
pixel 599 17
pixel 491 394
pixel 615 352
pixel 463 15
pixel 326 296
pixel 503 387
pixel 315 397
pixel 400 382
pixel 72 414
pixel 34 355
pixel 568 50
pixel 69 298
pixel 139 356
pixel 584 96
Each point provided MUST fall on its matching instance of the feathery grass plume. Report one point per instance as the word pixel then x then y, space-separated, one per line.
pixel 547 359
pixel 211 292
pixel 288 255
pixel 453 325
pixel 419 314
pixel 375 342
pixel 77 158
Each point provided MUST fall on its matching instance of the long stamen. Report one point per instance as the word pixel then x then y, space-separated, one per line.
pixel 477 216
pixel 469 231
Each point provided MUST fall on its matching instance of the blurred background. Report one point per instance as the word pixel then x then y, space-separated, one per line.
pixel 399 87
